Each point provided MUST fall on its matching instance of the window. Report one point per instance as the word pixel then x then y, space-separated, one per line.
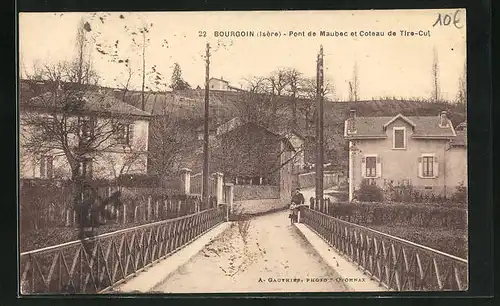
pixel 371 166
pixel 86 168
pixel 399 138
pixel 86 127
pixel 124 133
pixel 427 164
pixel 46 166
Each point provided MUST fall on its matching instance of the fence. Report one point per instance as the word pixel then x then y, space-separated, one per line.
pixel 97 264
pixel 51 206
pixel 395 263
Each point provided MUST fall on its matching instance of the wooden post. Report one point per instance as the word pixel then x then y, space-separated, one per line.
pixel 148 217
pixel 124 213
pixel 157 207
pixel 319 129
pixel 135 213
pixel 205 190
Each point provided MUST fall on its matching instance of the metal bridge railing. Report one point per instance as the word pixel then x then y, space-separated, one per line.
pixel 395 263
pixel 97 264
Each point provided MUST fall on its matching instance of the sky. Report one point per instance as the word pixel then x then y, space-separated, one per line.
pixel 399 66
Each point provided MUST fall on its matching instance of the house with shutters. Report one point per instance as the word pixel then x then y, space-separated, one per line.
pixel 115 132
pixel 424 151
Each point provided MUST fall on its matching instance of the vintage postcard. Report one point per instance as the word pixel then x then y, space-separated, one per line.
pixel 243 152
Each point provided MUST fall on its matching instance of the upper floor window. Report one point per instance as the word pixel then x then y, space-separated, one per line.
pixel 86 126
pixel 85 169
pixel 46 166
pixel 399 138
pixel 124 133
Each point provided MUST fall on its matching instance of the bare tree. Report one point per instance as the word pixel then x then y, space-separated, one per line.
pixel 260 104
pixel 436 89
pixel 294 82
pixel 72 119
pixel 307 94
pixel 278 81
pixel 130 158
pixel 462 87
pixel 134 45
pixel 354 85
pixel 167 143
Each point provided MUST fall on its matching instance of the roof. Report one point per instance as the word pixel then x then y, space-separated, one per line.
pixel 423 127
pixel 274 133
pixel 92 101
pixel 460 140
pixel 219 80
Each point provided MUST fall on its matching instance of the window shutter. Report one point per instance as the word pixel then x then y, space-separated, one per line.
pixel 130 133
pixel 435 167
pixel 379 167
pixel 42 167
pixel 420 169
pixel 50 161
pixel 363 167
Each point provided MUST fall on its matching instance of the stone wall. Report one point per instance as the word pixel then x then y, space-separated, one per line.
pixel 257 206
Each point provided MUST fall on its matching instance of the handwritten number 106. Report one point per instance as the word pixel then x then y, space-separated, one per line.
pixel 447 19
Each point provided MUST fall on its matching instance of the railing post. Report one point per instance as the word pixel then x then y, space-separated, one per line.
pixel 124 213
pixel 186 181
pixel 149 208
pixel 156 210
pixel 229 189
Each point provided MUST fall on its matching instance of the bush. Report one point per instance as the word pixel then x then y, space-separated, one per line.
pixel 429 216
pixel 460 194
pixel 368 192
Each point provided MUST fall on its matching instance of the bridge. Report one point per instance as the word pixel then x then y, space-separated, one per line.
pixel 206 253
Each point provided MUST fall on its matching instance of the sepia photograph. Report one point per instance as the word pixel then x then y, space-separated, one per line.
pixel 242 152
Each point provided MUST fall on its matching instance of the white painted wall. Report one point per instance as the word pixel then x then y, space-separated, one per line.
pixel 106 165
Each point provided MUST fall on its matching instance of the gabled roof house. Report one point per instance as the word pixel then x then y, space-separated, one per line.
pixel 424 151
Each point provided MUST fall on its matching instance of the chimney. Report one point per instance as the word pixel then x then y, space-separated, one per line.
pixel 443 120
pixel 352 121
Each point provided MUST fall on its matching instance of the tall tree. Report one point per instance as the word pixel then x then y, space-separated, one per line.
pixel 462 87
pixel 354 85
pixel 294 83
pixel 436 89
pixel 133 44
pixel 177 82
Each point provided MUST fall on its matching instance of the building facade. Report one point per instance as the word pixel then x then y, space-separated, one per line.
pixel 115 132
pixel 422 151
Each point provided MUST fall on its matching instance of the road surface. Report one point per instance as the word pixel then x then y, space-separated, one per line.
pixel 263 254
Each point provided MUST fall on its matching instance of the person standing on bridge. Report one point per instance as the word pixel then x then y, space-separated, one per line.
pixel 297 202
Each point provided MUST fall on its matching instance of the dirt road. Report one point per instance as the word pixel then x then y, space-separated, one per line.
pixel 263 254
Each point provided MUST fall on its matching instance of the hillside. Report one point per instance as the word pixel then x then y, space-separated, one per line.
pixel 188 107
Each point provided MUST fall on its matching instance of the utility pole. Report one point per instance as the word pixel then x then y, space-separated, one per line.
pixel 205 191
pixel 319 129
